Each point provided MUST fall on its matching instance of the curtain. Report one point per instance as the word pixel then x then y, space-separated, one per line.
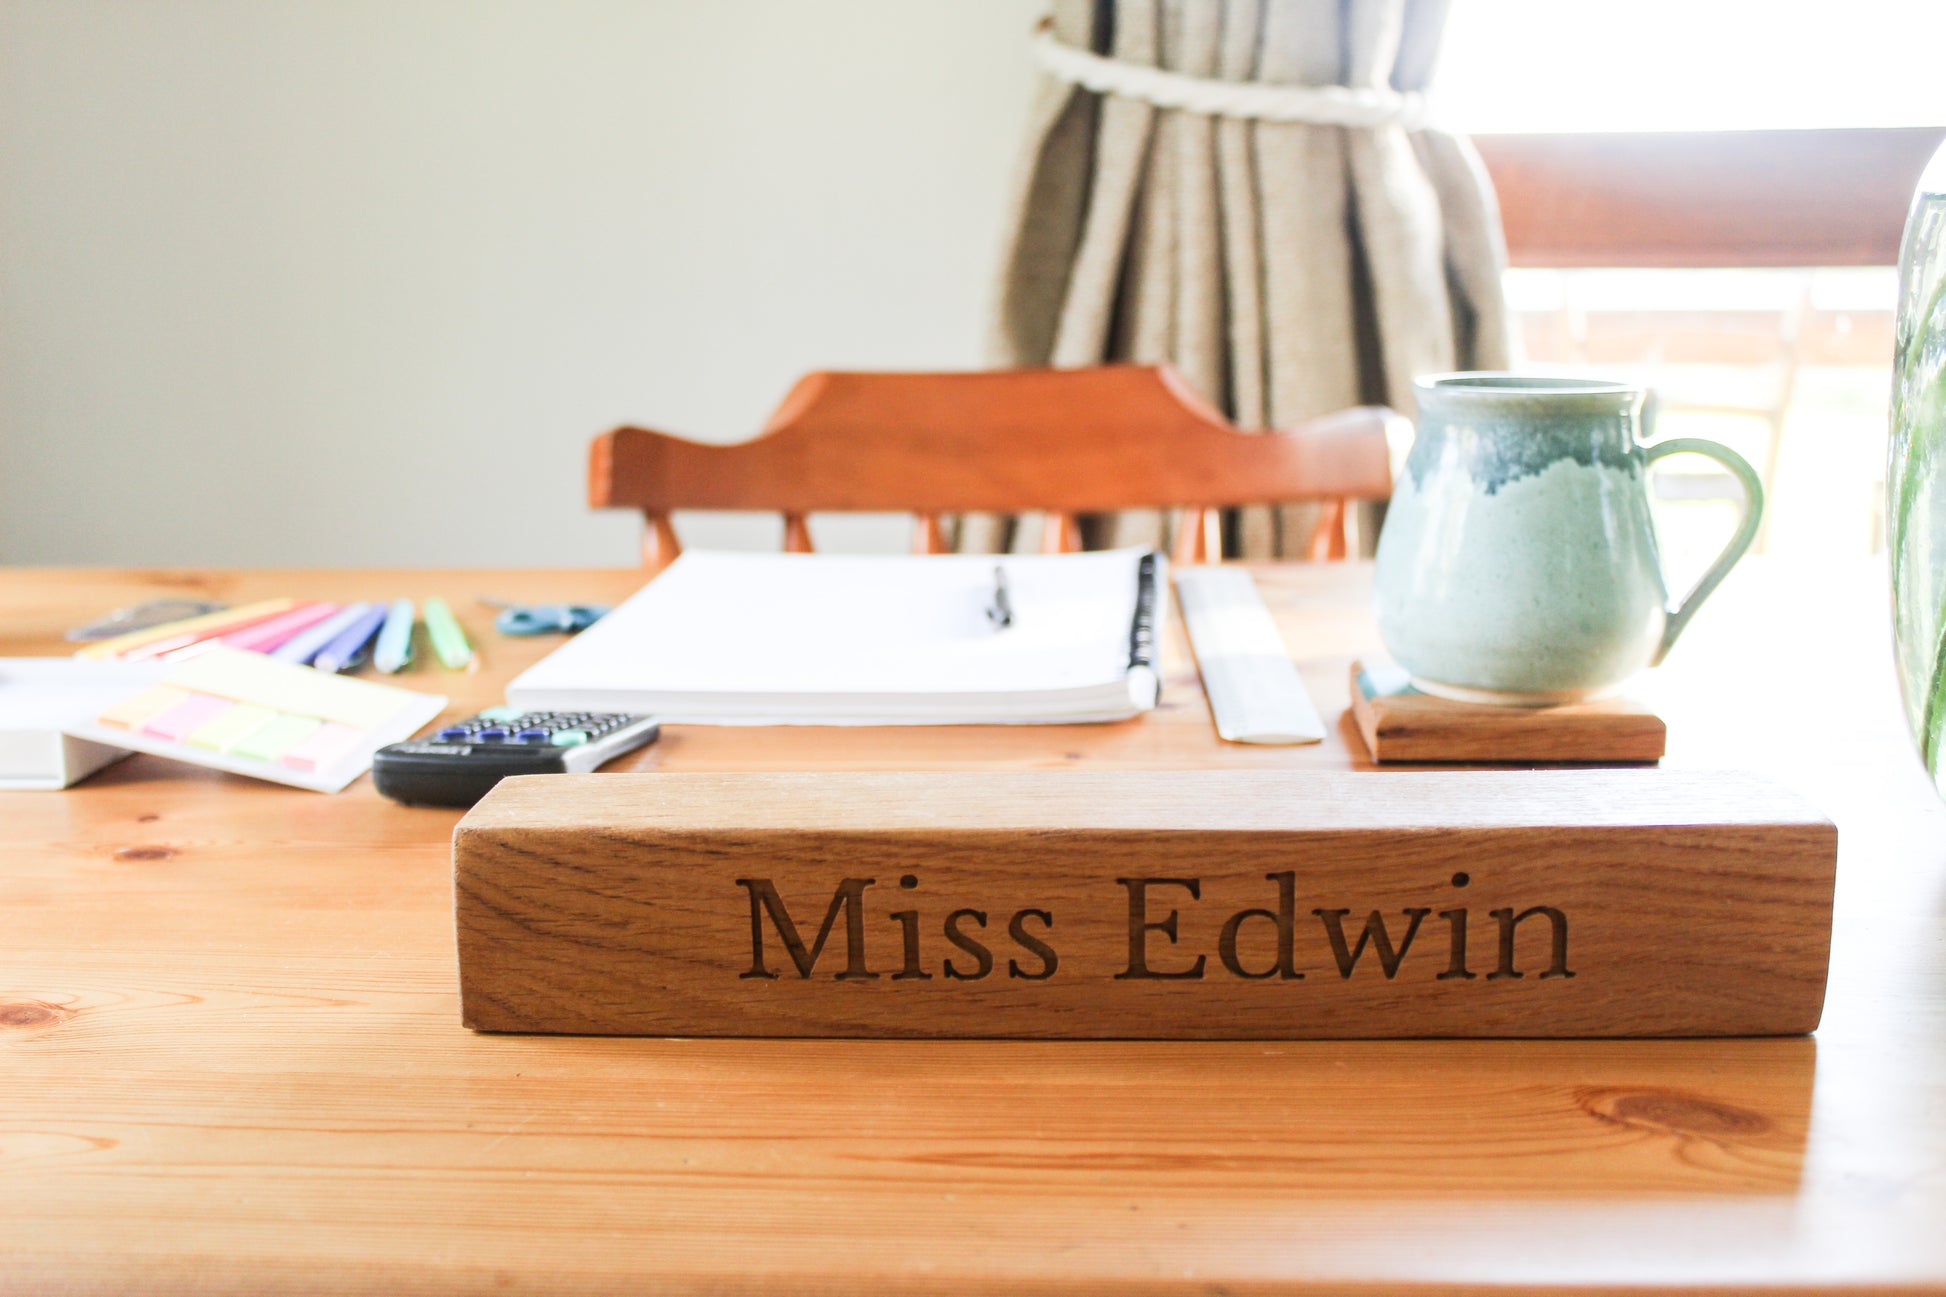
pixel 1286 268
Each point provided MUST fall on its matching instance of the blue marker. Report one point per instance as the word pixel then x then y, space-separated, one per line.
pixel 393 652
pixel 348 649
pixel 307 644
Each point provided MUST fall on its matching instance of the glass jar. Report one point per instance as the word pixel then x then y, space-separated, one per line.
pixel 1915 476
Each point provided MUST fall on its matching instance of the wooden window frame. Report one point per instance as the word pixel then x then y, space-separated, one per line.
pixel 1708 198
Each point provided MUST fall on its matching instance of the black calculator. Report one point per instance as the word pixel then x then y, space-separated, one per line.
pixel 456 765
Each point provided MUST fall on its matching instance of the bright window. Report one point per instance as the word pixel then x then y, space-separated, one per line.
pixel 1691 65
pixel 1790 367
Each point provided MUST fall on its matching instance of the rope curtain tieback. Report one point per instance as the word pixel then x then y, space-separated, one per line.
pixel 1316 105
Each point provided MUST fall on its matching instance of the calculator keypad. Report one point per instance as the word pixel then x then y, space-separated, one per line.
pixel 457 764
pixel 556 729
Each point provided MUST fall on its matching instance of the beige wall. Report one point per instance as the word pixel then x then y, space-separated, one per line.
pixel 353 281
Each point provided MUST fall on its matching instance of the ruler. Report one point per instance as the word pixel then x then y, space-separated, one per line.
pixel 1254 690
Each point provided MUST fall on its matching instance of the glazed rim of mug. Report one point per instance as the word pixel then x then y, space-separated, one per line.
pixel 1494 382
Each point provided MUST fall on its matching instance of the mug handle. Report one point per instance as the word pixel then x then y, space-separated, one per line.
pixel 1753 512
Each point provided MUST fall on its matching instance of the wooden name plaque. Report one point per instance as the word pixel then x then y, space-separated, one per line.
pixel 1254 905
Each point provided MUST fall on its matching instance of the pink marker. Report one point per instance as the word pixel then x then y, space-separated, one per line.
pixel 265 636
pixel 171 648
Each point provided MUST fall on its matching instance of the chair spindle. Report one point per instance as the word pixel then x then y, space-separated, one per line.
pixel 1328 536
pixel 1060 534
pixel 660 547
pixel 928 536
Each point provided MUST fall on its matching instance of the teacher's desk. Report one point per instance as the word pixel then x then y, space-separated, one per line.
pixel 232 1061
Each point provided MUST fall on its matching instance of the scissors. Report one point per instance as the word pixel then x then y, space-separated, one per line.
pixel 524 619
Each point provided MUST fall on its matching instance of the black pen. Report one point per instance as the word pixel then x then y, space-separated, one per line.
pixel 1001 611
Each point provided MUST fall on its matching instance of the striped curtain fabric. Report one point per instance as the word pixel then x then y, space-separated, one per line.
pixel 1287 269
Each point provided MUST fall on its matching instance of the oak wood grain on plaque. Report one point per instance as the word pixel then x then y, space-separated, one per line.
pixel 1410 726
pixel 1145 905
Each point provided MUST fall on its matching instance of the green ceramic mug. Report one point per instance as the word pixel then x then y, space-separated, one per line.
pixel 1518 562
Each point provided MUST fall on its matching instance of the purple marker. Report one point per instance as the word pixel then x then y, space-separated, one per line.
pixel 307 644
pixel 348 650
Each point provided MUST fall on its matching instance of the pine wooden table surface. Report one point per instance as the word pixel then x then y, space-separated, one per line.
pixel 231 1058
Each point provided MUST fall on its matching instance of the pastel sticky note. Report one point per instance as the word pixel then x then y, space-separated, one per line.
pixel 272 741
pixel 192 713
pixel 326 745
pixel 229 728
pixel 285 687
pixel 267 635
pixel 134 712
pixel 238 735
pixel 187 630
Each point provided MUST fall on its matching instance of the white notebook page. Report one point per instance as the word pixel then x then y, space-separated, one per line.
pixel 739 635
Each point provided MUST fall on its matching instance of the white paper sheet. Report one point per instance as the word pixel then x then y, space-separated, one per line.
pixel 41 698
pixel 834 639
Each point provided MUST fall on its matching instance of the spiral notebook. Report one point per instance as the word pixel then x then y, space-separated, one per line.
pixel 816 639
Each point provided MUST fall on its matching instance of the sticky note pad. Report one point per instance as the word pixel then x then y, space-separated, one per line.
pixel 230 728
pixel 251 714
pixel 192 713
pixel 135 712
pixel 270 742
pixel 286 687
pixel 328 743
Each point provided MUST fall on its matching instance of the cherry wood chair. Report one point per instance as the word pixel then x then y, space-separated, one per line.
pixel 1063 442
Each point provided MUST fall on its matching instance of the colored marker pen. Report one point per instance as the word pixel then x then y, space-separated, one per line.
pixel 393 652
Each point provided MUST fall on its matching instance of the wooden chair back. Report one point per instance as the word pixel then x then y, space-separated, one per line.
pixel 1063 442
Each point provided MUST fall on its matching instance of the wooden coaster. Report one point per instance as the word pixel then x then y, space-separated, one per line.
pixel 1399 723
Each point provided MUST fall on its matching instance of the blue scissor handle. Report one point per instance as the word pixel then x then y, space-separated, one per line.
pixel 547 618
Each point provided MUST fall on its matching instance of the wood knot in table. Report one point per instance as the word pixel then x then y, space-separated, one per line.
pixel 144 853
pixel 1670 1112
pixel 31 1015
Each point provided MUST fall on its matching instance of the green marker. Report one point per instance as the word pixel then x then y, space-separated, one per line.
pixel 448 640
